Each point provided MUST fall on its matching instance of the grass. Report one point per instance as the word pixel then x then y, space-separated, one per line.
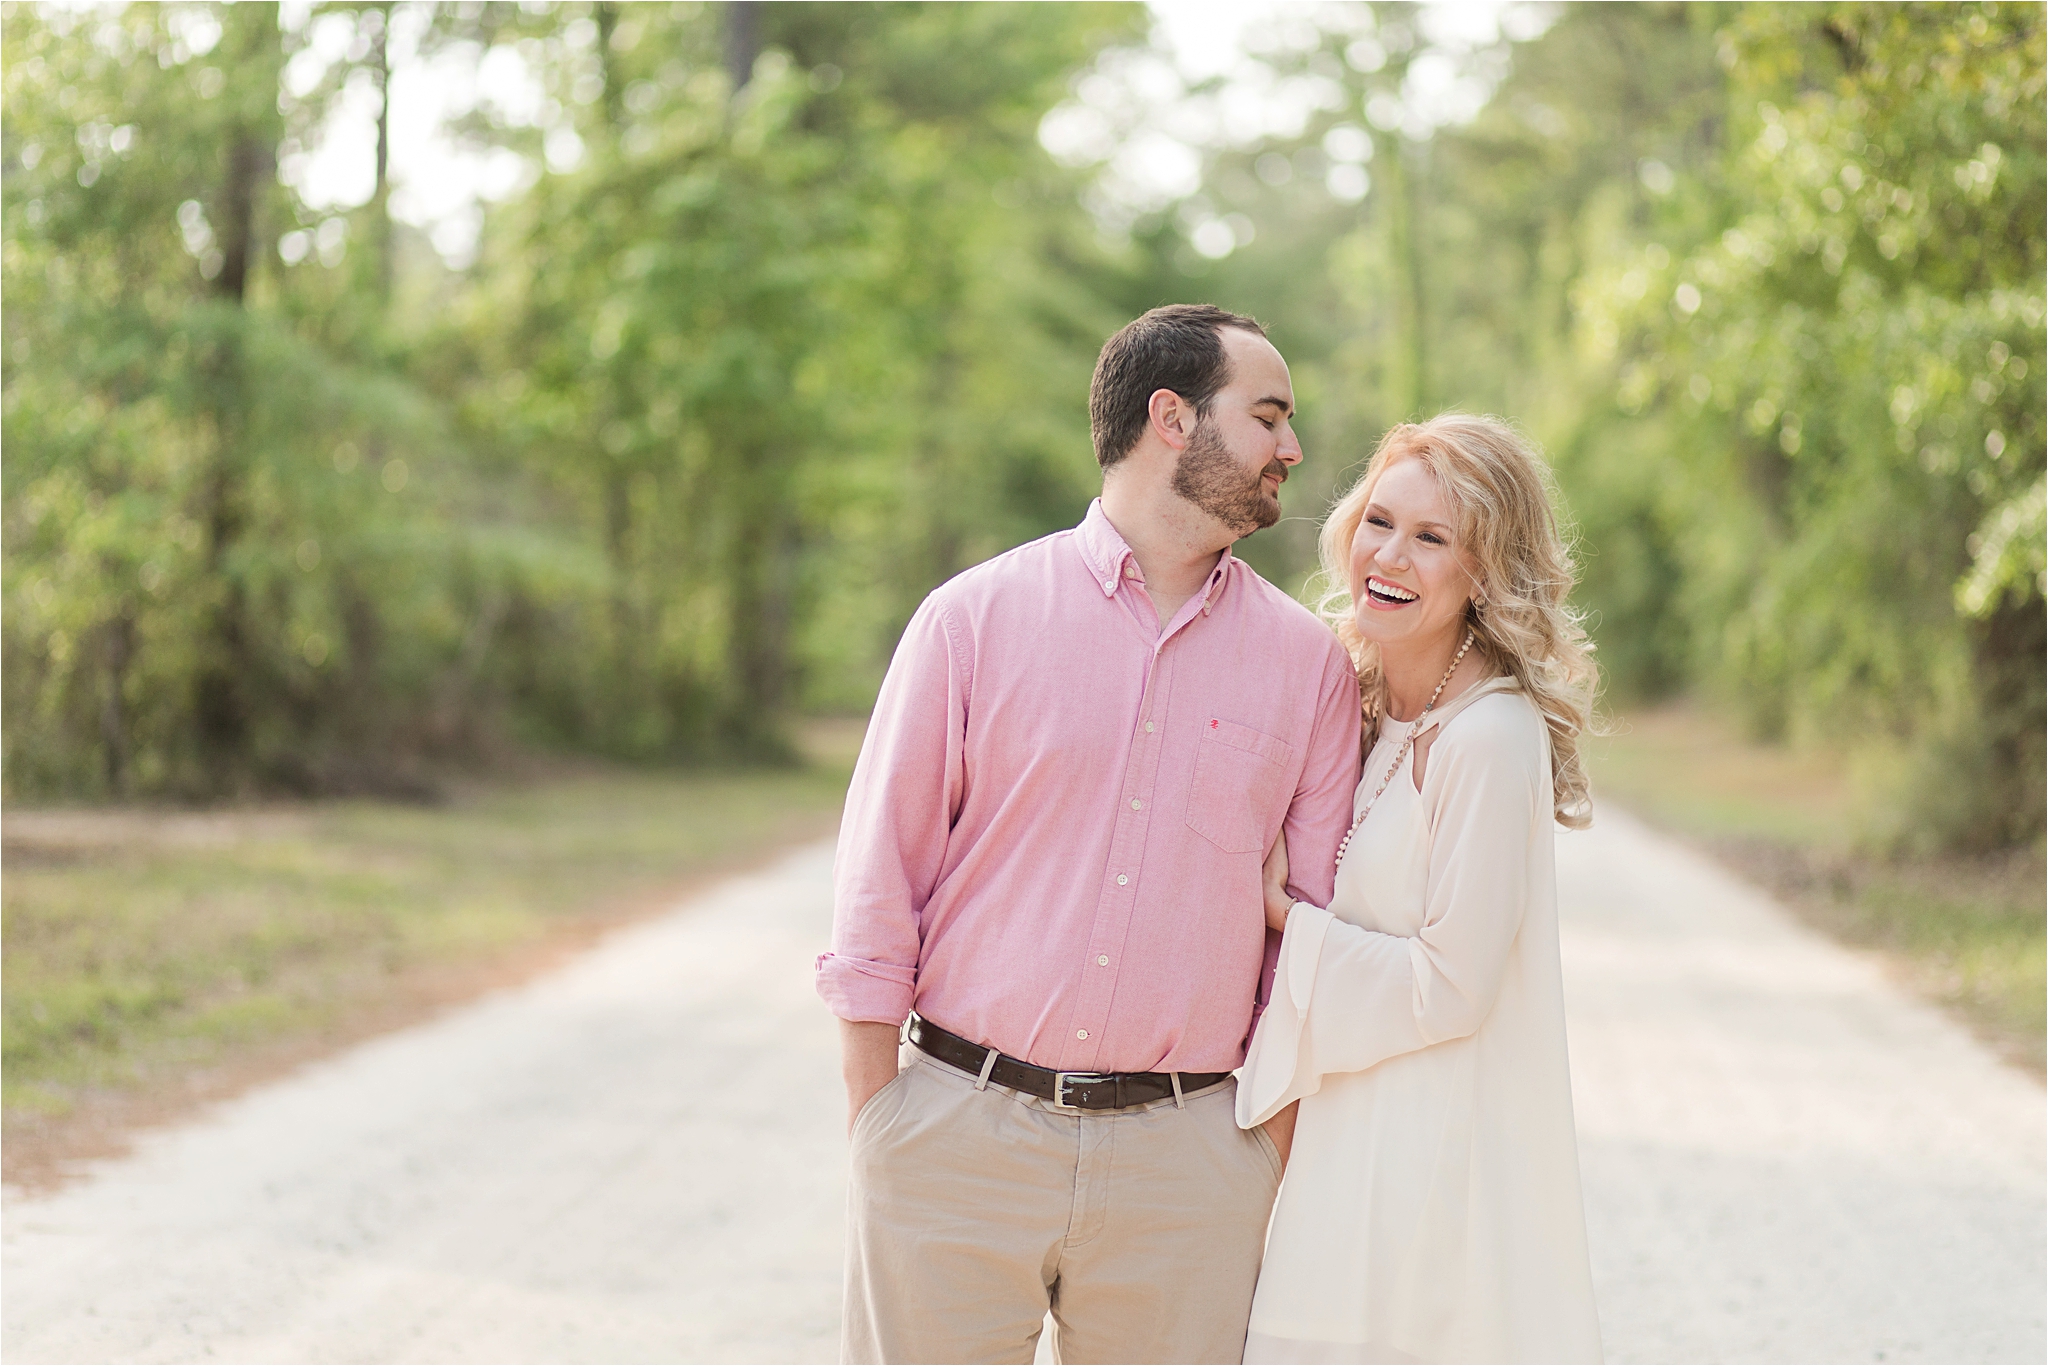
pixel 147 951
pixel 1966 932
pixel 143 948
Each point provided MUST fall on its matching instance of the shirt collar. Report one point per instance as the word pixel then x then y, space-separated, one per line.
pixel 1109 558
pixel 1102 549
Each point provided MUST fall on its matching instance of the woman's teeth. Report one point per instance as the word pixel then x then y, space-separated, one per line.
pixel 1388 592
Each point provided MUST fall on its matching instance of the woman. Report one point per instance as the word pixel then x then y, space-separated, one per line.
pixel 1431 1210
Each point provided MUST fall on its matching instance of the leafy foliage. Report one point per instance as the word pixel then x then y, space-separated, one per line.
pixel 1848 359
pixel 677 455
pixel 805 328
pixel 1766 282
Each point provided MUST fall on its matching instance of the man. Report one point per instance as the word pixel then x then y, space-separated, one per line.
pixel 1051 853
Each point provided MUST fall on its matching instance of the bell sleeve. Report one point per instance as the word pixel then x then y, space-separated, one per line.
pixel 1347 998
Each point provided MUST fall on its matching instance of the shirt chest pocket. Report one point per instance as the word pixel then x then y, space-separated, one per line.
pixel 1241 786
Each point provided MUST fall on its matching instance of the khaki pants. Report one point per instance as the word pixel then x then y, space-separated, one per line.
pixel 971 1212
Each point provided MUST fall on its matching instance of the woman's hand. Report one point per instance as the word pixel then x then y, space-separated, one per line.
pixel 1278 902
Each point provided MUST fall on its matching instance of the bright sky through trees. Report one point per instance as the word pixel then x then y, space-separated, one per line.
pixel 1147 115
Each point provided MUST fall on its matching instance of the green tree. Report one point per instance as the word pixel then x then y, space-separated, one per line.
pixel 229 560
pixel 785 340
pixel 1765 282
pixel 1843 364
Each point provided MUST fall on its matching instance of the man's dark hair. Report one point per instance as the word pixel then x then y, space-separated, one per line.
pixel 1179 347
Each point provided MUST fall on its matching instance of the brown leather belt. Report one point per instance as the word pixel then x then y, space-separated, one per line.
pixel 1067 1090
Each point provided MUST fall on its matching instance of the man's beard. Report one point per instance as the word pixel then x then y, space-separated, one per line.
pixel 1207 476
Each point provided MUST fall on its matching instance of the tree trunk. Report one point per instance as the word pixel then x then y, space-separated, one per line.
pixel 607 15
pixel 248 161
pixel 221 703
pixel 1408 228
pixel 618 543
pixel 2009 646
pixel 380 199
pixel 762 585
pixel 118 647
pixel 250 48
pixel 742 41
pixel 630 694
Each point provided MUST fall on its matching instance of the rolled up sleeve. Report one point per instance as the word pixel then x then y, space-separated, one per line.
pixel 900 809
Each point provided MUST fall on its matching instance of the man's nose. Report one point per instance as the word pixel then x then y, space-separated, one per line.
pixel 1290 446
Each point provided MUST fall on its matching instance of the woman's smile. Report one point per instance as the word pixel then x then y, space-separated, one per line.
pixel 1386 595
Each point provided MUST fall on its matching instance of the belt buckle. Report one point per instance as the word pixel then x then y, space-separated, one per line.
pixel 1062 1080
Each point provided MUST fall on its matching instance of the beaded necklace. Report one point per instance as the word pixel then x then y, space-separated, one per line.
pixel 1407 743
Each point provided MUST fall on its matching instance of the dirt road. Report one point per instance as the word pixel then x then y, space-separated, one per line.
pixel 1786 1158
pixel 639 1159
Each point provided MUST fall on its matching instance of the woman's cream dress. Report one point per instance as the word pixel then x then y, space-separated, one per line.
pixel 1431 1210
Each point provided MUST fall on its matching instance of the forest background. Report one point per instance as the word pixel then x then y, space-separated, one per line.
pixel 789 311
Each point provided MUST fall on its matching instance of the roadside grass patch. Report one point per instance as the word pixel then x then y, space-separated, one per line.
pixel 142 948
pixel 1970 933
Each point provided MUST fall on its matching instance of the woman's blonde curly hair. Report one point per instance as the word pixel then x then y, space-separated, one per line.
pixel 1499 490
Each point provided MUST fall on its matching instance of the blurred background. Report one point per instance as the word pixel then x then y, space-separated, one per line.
pixel 467 465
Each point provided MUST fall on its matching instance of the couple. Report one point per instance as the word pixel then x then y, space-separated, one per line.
pixel 1093 760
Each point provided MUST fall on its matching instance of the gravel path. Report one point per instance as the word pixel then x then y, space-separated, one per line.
pixel 1786 1158
pixel 639 1159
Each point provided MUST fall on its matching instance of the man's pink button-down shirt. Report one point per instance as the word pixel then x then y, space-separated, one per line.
pixel 1053 838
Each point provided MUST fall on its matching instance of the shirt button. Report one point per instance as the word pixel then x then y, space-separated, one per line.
pixel 1080 1033
pixel 1102 960
pixel 1121 880
pixel 1137 805
pixel 1148 727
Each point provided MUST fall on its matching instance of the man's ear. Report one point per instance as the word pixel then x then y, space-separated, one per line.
pixel 1171 419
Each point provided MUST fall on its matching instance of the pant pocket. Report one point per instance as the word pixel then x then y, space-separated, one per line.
pixel 871 1109
pixel 1269 1150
